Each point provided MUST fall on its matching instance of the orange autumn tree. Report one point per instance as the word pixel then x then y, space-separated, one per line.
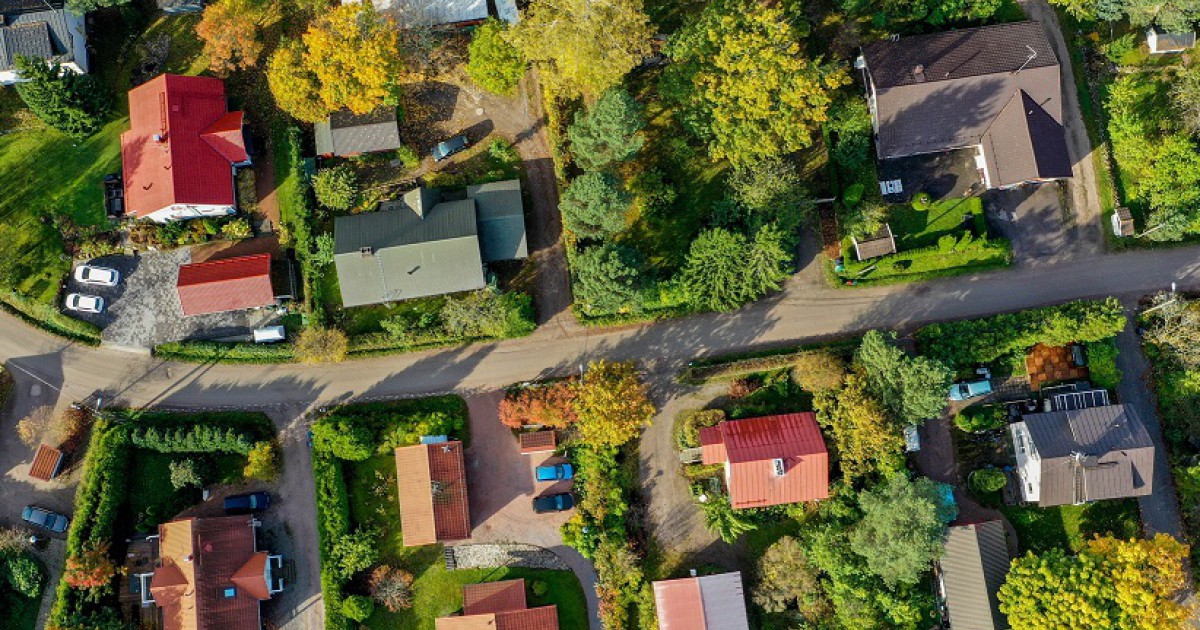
pixel 552 405
pixel 90 568
pixel 232 32
pixel 348 58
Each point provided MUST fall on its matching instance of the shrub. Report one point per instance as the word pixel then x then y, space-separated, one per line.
pixel 721 519
pixel 819 370
pixel 358 607
pixel 391 587
pixel 1102 364
pixel 853 195
pixel 24 574
pixel 689 423
pixel 321 345
pixel 549 404
pixel 921 201
pixel 91 568
pixel 488 313
pixel 408 157
pixel 336 188
pixel 494 64
pixel 31 428
pixel 344 439
pixel 742 387
pixel 262 462
pixel 986 481
pixel 354 552
pixel 539 588
pixel 236 229
pixel 326 250
pixel 184 473
pixel 978 419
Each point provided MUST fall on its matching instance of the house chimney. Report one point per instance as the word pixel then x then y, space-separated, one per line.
pixel 919 73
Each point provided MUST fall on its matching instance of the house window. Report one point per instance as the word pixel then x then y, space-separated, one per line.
pixel 229 592
pixel 779 468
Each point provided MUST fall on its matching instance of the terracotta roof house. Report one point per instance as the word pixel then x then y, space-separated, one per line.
pixel 211 574
pixel 499 606
pixel 46 463
pixel 711 602
pixel 1161 42
pixel 773 460
pixel 970 573
pixel 230 284
pixel 181 150
pixel 422 244
pixel 1075 456
pixel 431 480
pixel 347 134
pixel 42 29
pixel 995 89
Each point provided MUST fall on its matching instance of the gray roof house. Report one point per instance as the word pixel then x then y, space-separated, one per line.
pixel 970 573
pixel 1162 42
pixel 415 13
pixel 1072 457
pixel 346 134
pixel 39 29
pixel 424 244
pixel 179 7
pixel 995 89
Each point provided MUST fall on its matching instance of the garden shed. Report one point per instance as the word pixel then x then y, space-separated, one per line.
pixel 882 244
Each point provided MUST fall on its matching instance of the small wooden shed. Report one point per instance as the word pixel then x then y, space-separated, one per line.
pixel 47 463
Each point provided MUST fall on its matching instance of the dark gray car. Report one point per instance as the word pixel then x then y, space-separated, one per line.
pixel 445 149
pixel 554 503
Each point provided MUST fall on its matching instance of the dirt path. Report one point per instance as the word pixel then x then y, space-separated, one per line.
pixel 1083 187
pixel 264 184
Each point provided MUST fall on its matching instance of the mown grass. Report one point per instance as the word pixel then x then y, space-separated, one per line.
pixel 1068 527
pixel 922 228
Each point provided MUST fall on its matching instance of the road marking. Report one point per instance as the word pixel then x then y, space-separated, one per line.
pixel 40 379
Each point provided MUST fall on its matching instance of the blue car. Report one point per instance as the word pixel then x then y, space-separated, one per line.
pixel 41 517
pixel 554 472
pixel 970 389
pixel 554 503
pixel 247 503
pixel 445 149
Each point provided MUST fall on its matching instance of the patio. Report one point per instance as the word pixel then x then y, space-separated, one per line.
pixel 951 174
pixel 1047 364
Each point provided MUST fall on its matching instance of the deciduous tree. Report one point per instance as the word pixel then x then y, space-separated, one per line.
pixel 391 587
pixel 495 64
pixel 1185 93
pixel 583 47
pixel 321 345
pixel 262 462
pixel 1175 329
pixel 866 441
pixel 184 473
pixel 336 188
pixel 612 404
pixel 90 568
pixel 551 404
pixel 607 131
pixel 1176 16
pixel 903 527
pixel 232 32
pixel 772 191
pixel 788 581
pixel 72 103
pixel 745 83
pixel 819 370
pixel 349 58
pixel 594 206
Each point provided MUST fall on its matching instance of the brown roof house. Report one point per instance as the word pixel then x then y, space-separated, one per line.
pixel 211 574
pixel 970 573
pixel 432 483
pixel 711 602
pixel 994 89
pixel 499 606
pixel 1075 456
pixel 772 460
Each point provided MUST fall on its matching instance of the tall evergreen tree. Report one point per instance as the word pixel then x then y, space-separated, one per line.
pixel 72 103
pixel 607 132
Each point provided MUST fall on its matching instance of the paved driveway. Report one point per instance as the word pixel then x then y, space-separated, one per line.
pixel 501 487
pixel 1031 217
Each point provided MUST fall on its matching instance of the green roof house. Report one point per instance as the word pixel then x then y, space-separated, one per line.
pixel 427 243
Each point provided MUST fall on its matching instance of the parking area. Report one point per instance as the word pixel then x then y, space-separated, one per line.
pixel 1032 218
pixel 943 175
pixel 143 310
pixel 502 485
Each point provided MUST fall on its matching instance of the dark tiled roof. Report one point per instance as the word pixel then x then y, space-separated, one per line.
pixel 538 441
pixel 969 78
pixel 1092 454
pixel 973 568
pixel 347 133
pixel 13 7
pixel 1025 143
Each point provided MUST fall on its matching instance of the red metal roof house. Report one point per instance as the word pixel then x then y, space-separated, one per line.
pixel 772 460
pixel 710 602
pixel 232 284
pixel 181 150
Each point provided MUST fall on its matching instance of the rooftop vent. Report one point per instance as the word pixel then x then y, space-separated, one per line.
pixel 158 137
pixel 366 251
pixel 780 470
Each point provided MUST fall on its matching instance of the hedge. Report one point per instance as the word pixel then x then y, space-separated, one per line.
pixel 731 366
pixel 980 418
pixel 1102 364
pixel 218 352
pixel 49 318
pixel 927 263
pixel 200 438
pixel 333 522
pixel 968 343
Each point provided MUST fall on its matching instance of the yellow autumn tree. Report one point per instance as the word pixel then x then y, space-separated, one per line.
pixel 745 83
pixel 612 404
pixel 232 32
pixel 348 58
pixel 867 442
pixel 583 47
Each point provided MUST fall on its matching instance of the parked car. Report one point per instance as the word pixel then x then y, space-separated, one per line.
pixel 269 334
pixel 980 386
pixel 449 147
pixel 554 503
pixel 84 303
pixel 912 439
pixel 41 517
pixel 247 503
pixel 554 472
pixel 97 276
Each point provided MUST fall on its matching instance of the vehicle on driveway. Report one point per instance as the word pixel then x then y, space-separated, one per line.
pixel 41 517
pixel 449 147
pixel 247 503
pixel 84 303
pixel 554 472
pixel 980 386
pixel 97 276
pixel 554 503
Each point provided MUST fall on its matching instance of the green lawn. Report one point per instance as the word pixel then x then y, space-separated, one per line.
pixel 152 498
pixel 922 228
pixel 1070 526
pixel 777 394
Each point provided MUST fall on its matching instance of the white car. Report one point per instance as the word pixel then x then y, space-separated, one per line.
pixel 97 276
pixel 84 303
